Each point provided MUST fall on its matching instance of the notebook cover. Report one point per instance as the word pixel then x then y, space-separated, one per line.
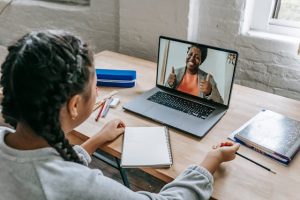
pixel 273 134
pixel 146 147
pixel 113 74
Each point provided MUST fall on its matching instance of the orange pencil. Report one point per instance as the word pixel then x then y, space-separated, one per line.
pixel 100 111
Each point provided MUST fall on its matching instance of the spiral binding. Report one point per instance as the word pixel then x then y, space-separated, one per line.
pixel 169 144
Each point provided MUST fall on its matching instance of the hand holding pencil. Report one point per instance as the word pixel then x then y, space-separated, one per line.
pixel 226 151
pixel 226 144
pixel 219 154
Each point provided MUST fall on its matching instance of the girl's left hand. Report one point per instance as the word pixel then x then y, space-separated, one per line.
pixel 225 151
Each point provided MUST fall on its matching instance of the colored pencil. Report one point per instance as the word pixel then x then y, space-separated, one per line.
pixel 99 113
pixel 266 168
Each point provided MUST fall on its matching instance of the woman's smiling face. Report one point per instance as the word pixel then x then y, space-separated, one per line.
pixel 193 59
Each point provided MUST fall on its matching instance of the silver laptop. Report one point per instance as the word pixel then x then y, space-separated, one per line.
pixel 193 86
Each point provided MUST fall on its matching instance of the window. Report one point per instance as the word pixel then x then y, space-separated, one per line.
pixel 287 10
pixel 277 16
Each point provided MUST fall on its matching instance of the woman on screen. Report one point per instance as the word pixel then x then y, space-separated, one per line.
pixel 191 79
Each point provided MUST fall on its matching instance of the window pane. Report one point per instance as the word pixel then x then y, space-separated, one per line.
pixel 288 10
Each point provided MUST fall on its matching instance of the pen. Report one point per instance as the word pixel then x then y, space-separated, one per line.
pixel 106 107
pixel 266 168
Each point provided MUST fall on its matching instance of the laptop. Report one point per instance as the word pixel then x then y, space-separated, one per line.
pixel 193 86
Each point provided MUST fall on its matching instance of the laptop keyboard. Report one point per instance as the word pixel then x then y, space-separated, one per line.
pixel 183 105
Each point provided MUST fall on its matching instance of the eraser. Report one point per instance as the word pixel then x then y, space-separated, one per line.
pixel 114 102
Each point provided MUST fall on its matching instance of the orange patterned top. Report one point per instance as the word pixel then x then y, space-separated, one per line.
pixel 189 84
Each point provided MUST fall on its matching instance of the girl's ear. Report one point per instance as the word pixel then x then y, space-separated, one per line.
pixel 73 106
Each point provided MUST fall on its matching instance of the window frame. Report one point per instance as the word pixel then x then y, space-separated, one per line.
pixel 71 2
pixel 262 20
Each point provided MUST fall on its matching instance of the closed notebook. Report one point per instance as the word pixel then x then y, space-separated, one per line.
pixel 146 147
pixel 272 134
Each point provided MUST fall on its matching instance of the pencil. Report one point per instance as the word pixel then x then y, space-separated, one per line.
pixel 100 111
pixel 266 168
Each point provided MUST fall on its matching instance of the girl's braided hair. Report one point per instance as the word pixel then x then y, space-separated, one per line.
pixel 41 72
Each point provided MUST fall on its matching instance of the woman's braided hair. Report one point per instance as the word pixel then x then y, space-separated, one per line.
pixel 42 71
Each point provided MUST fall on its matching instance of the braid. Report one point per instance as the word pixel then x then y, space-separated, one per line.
pixel 42 71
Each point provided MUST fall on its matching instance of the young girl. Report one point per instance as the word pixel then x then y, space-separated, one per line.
pixel 49 88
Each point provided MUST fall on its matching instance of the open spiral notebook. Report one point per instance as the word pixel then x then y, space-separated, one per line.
pixel 146 147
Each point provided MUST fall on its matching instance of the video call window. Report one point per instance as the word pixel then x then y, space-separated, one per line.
pixel 196 70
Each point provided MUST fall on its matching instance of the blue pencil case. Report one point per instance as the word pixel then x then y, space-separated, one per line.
pixel 116 78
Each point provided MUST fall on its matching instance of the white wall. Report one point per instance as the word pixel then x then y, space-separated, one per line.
pixel 129 26
pixel 142 21
pixel 266 62
pixel 3 53
pixel 95 23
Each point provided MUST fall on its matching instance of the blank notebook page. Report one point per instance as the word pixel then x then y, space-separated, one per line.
pixel 146 146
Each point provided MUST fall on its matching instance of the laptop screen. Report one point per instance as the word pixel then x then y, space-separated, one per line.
pixel 195 69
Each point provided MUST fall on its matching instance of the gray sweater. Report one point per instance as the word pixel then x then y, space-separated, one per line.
pixel 43 174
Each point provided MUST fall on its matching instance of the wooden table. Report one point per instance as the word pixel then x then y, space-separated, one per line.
pixel 238 179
